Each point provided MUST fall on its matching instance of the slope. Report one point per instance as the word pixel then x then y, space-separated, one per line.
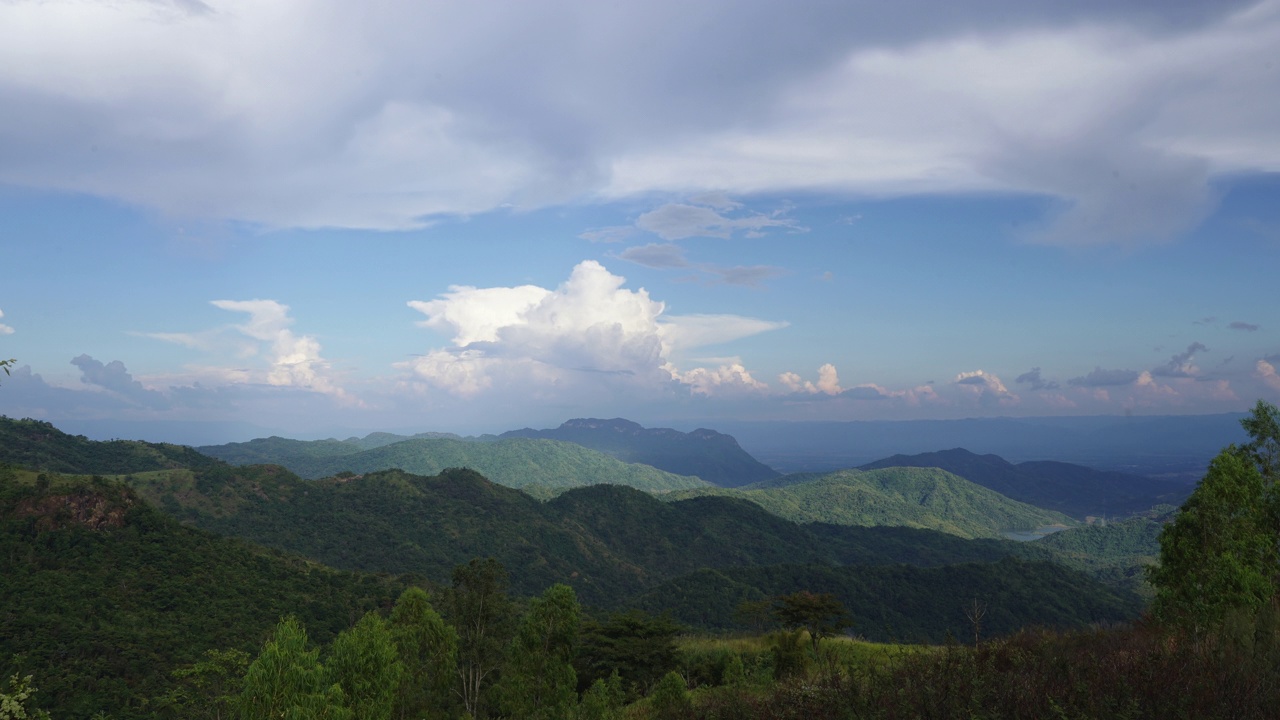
pixel 104 595
pixel 39 445
pixel 911 497
pixel 1075 490
pixel 715 457
pixel 514 462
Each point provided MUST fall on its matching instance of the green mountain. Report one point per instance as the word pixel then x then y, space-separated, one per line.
pixel 707 454
pixel 902 603
pixel 41 446
pixel 1118 552
pixel 1075 490
pixel 514 462
pixel 103 595
pixel 912 497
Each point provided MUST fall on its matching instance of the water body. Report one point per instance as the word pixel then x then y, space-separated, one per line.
pixel 1029 535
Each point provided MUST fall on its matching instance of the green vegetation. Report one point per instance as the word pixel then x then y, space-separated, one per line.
pixel 40 446
pixel 911 497
pixel 707 454
pixel 1074 490
pixel 514 462
pixel 104 595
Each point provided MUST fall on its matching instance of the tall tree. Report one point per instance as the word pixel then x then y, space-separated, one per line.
pixel 482 614
pixel 365 664
pixel 1221 552
pixel 429 652
pixel 538 681
pixel 822 614
pixel 287 681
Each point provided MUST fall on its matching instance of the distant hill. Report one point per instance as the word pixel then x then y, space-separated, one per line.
pixel 712 456
pixel 1118 552
pixel 1075 490
pixel 103 595
pixel 912 497
pixel 1158 444
pixel 514 462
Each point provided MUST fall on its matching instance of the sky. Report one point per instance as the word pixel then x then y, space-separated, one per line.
pixel 319 217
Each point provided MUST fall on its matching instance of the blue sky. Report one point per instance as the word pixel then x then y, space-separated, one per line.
pixel 327 216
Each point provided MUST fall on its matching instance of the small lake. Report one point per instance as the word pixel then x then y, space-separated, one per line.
pixel 1029 535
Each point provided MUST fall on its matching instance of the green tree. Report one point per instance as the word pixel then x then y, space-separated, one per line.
pixel 365 664
pixel 482 614
pixel 13 701
pixel 5 364
pixel 603 700
pixel 822 614
pixel 286 681
pixel 670 698
pixel 206 689
pixel 638 646
pixel 538 681
pixel 428 650
pixel 1220 553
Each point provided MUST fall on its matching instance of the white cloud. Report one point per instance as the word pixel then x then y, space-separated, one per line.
pixel 339 114
pixel 588 331
pixel 828 382
pixel 5 329
pixel 1266 372
pixel 291 360
pixel 988 388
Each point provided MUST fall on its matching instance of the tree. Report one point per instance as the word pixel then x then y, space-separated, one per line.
pixel 5 364
pixel 539 682
pixel 638 646
pixel 13 702
pixel 428 650
pixel 206 689
pixel 1220 554
pixel 821 614
pixel 482 613
pixel 287 681
pixel 365 664
pixel 670 698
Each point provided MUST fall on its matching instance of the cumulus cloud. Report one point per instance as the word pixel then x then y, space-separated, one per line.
pixel 115 377
pixel 5 329
pixel 1182 365
pixel 828 382
pixel 988 388
pixel 1247 327
pixel 336 114
pixel 589 330
pixel 1266 372
pixel 1099 378
pixel 1032 377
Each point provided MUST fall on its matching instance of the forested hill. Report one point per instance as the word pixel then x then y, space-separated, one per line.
pixel 912 497
pixel 39 445
pixel 710 455
pixel 103 595
pixel 1075 490
pixel 514 462
pixel 608 542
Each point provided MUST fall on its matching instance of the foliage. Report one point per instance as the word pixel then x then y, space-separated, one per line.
pixel 482 613
pixel 538 681
pixel 5 365
pixel 820 614
pixel 13 702
pixel 637 646
pixel 428 649
pixel 364 662
pixel 286 680
pixel 912 497
pixel 670 698
pixel 39 445
pixel 105 597
pixel 903 603
pixel 208 688
pixel 603 700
